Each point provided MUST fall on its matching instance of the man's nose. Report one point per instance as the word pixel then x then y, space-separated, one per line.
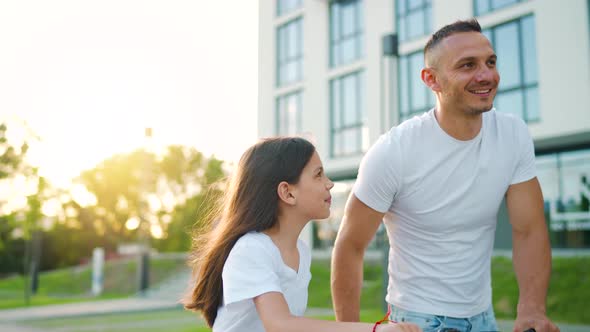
pixel 485 74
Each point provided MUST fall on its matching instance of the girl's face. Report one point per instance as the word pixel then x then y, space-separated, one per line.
pixel 313 190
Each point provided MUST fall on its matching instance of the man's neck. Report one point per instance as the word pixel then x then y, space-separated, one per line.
pixel 463 127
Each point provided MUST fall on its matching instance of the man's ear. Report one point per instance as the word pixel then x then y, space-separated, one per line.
pixel 286 193
pixel 430 79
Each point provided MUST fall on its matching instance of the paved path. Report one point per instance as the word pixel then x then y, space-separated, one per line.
pixel 85 309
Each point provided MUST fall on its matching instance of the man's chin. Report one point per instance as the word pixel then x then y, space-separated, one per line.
pixel 480 110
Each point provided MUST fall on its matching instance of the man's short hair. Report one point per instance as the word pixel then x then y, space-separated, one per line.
pixel 470 25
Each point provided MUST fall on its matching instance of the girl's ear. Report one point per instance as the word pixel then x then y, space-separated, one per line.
pixel 286 193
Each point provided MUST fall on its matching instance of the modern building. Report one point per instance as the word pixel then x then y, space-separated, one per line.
pixel 344 72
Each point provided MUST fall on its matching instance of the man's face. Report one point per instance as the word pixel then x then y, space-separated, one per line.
pixel 465 69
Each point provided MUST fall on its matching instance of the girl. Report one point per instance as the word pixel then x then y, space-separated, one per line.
pixel 252 272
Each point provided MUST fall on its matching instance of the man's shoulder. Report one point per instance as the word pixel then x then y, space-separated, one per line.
pixel 416 125
pixel 506 121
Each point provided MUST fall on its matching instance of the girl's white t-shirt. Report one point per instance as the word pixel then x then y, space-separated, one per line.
pixel 255 267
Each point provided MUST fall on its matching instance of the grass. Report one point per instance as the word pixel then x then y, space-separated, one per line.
pixel 74 284
pixel 569 289
pixel 568 295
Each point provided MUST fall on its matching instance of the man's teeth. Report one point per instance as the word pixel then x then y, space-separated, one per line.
pixel 481 91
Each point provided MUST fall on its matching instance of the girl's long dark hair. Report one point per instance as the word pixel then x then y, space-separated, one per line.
pixel 250 204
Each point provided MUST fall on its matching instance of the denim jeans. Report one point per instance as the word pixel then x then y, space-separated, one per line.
pixel 482 322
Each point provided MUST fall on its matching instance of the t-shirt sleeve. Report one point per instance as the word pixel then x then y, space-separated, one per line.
pixel 525 167
pixel 379 179
pixel 249 271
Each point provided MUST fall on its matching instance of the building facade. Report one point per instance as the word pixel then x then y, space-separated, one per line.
pixel 343 72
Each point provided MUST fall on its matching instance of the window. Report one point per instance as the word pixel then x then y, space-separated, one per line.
pixel 286 6
pixel 290 52
pixel 288 113
pixel 415 97
pixel 349 134
pixel 485 6
pixel 346 31
pixel 518 93
pixel 565 181
pixel 414 18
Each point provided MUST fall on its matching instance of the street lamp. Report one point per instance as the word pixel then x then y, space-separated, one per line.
pixel 144 251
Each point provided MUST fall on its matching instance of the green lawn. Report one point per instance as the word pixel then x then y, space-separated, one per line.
pixel 569 289
pixel 568 293
pixel 74 284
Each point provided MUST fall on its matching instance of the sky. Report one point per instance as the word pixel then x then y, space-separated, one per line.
pixel 88 77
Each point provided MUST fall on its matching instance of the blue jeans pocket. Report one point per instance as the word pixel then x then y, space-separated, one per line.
pixel 425 321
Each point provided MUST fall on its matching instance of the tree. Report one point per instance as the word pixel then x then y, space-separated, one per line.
pixel 168 194
pixel 13 167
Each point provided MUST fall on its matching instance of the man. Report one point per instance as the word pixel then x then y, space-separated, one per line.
pixel 437 182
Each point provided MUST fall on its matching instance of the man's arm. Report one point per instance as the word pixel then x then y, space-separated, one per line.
pixel 358 227
pixel 531 255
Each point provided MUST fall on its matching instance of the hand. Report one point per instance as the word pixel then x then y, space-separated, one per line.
pixel 399 327
pixel 537 321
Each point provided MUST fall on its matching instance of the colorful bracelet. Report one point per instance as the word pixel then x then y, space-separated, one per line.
pixel 384 319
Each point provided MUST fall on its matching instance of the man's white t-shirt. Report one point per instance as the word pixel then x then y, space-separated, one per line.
pixel 254 267
pixel 441 197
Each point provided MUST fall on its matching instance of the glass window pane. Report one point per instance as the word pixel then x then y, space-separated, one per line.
pixel 404 82
pixel 488 34
pixel 481 7
pixel 401 7
pixel 365 138
pixel 502 3
pixel 532 104
pixel 346 32
pixel 360 17
pixel 415 24
pixel 336 121
pixel 360 82
pixel 401 26
pixel 414 4
pixel 350 100
pixel 348 50
pixel 334 22
pixel 548 175
pixel 291 115
pixel 288 114
pixel 286 6
pixel 418 92
pixel 347 105
pixel 510 102
pixel 337 145
pixel 427 20
pixel 292 40
pixel 529 49
pixel 507 48
pixel 351 140
pixel 348 20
